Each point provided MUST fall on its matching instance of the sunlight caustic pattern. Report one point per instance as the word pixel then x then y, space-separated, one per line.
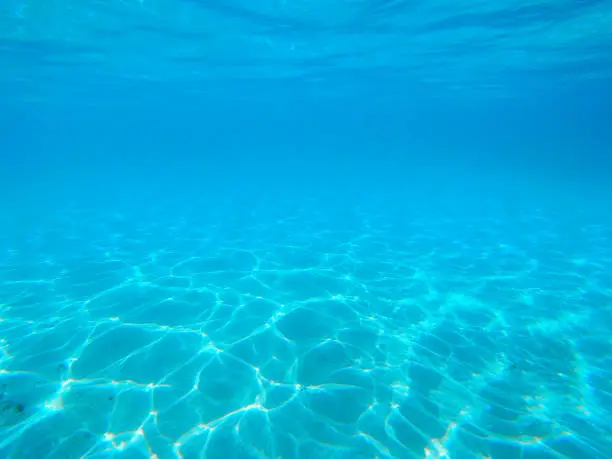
pixel 288 338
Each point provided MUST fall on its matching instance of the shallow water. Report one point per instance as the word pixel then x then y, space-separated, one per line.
pixel 298 333
pixel 305 229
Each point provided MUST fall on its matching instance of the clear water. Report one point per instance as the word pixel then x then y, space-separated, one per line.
pixel 305 229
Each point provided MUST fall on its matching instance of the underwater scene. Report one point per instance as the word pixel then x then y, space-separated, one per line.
pixel 305 229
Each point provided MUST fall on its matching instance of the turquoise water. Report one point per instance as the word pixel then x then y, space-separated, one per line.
pixel 290 230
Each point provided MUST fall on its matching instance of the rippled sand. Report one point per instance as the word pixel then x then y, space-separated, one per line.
pixel 305 335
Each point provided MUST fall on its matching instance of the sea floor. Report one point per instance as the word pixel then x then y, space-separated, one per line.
pixel 306 334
